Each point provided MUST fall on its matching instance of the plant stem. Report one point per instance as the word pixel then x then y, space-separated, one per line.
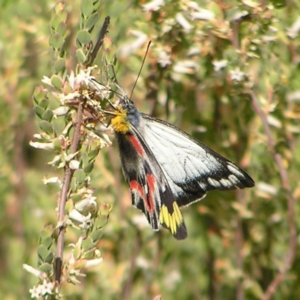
pixel 289 198
pixel 99 43
pixel 64 197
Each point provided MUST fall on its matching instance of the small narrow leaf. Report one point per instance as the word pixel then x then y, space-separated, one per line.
pixel 89 168
pixel 56 41
pixel 87 8
pixel 92 21
pixel 46 127
pixel 39 111
pixel 44 103
pixel 46 268
pixel 47 115
pixel 57 82
pixel 81 57
pixel 42 252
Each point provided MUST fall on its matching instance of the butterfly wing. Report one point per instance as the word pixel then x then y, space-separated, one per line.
pixel 149 187
pixel 190 167
pixel 166 168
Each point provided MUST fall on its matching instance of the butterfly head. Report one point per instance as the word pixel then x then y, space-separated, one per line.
pixel 126 115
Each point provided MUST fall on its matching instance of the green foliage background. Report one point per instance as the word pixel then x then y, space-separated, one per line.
pixel 241 245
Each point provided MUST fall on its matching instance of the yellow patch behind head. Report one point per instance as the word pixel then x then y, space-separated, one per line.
pixel 172 221
pixel 119 122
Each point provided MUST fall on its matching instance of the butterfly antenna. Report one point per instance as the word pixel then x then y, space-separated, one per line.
pixel 96 84
pixel 148 46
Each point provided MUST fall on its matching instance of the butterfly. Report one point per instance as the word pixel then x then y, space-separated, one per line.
pixel 166 168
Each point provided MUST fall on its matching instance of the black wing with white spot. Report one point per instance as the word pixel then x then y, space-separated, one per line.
pixel 190 167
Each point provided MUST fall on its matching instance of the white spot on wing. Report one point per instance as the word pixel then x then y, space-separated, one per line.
pixel 233 179
pixel 226 183
pixel 232 168
pixel 203 186
pixel 213 182
pixel 146 189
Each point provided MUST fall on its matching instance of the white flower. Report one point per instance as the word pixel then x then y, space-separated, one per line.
pixel 220 64
pixel 239 15
pixel 133 45
pixel 164 58
pixel 45 146
pixel 46 80
pixel 52 180
pixel 32 270
pixel 84 77
pixel 80 218
pixel 61 111
pixel 183 22
pixel 236 75
pixel 186 67
pixel 153 5
pixel 86 204
pixel 43 289
pixel 47 287
pixel 93 262
pixel 74 164
pixel 293 31
pixel 34 292
pixel 203 14
pixel 77 216
pixel 200 13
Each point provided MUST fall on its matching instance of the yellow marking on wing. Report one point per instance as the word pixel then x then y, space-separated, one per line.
pixel 172 221
pixel 120 122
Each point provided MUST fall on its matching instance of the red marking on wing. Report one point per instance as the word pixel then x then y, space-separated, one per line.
pixel 151 185
pixel 135 186
pixel 148 199
pixel 137 145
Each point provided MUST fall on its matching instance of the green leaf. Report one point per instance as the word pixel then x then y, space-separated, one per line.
pixel 57 82
pixel 105 209
pixel 92 154
pixel 83 37
pixel 79 264
pixel 47 115
pixel 80 176
pixel 46 127
pixel 56 41
pixel 87 8
pixel 97 235
pixel 87 244
pixel 54 23
pixel 59 65
pixel 47 242
pixel 57 144
pixel 44 103
pixel 42 252
pixel 76 197
pixel 89 254
pixel 39 96
pixel 89 168
pixel 50 257
pixel 39 111
pixel 81 57
pixel 101 221
pixel 92 21
pixel 61 28
pixel 47 268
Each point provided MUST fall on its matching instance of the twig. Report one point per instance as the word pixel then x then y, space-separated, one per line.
pixel 99 43
pixel 289 197
pixel 63 199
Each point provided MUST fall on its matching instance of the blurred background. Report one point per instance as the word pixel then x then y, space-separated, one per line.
pixel 226 72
